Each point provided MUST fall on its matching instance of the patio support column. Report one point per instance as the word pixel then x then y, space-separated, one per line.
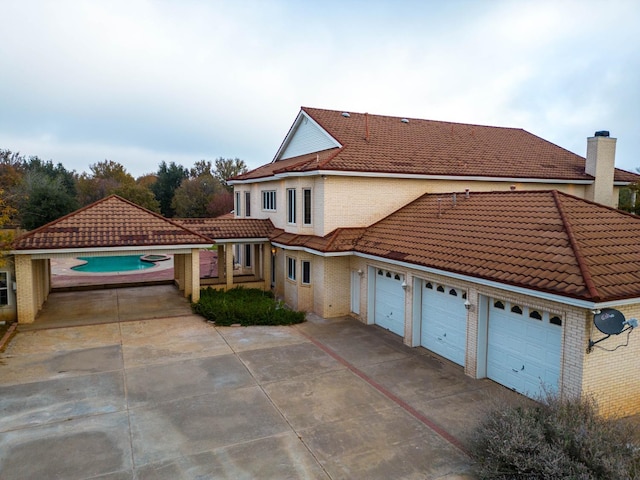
pixel 228 256
pixel 188 275
pixel 178 270
pixel 265 253
pixel 221 260
pixel 195 274
pixel 26 303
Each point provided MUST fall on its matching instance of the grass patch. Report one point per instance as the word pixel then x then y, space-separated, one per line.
pixel 555 439
pixel 244 306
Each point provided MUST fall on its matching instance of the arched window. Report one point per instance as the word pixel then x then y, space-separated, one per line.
pixel 535 314
pixel 498 304
pixel 453 292
pixel 396 277
pixel 555 320
pixel 388 274
pixel 440 288
pixel 428 285
pixel 464 295
pixel 380 272
pixel 516 309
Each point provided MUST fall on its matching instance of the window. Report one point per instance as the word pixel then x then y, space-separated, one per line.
pixel 535 314
pixel 440 289
pixel 4 288
pixel 291 268
pixel 429 286
pixel 236 254
pixel 555 320
pixel 306 206
pixel 306 272
pixel 247 204
pixel 516 309
pixel 453 292
pixel 269 200
pixel 247 254
pixel 291 205
pixel 238 211
pixel 498 304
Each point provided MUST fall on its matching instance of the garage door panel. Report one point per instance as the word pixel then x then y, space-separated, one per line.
pixel 444 322
pixel 523 353
pixel 389 302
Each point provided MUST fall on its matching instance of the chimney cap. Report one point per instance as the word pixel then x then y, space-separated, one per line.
pixel 602 133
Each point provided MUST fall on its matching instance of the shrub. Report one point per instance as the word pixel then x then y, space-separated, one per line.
pixel 555 439
pixel 244 306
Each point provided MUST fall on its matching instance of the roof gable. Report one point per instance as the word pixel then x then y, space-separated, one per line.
pixel 109 222
pixel 304 137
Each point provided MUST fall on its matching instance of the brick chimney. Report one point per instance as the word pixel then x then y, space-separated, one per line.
pixel 601 154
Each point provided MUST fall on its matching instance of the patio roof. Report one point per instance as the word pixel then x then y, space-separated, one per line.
pixel 111 222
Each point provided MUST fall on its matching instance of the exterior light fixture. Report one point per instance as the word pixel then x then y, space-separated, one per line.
pixel 360 272
pixel 273 250
pixel 404 285
pixel 467 304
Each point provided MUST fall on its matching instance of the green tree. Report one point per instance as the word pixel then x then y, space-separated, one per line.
pixel 226 168
pixel 193 196
pixel 169 179
pixel 201 167
pixel 43 200
pixel 140 195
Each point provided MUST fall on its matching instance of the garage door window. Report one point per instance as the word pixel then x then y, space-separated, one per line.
pixel 428 285
pixel 535 315
pixel 440 288
pixel 516 309
pixel 555 320
pixel 498 304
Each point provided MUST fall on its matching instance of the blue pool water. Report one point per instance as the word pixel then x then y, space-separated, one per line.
pixel 112 264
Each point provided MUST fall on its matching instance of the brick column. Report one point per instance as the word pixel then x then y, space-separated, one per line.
pixel 24 289
pixel 228 253
pixel 188 275
pixel 195 275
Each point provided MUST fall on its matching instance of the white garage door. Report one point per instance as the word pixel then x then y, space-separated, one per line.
pixel 443 328
pixel 389 302
pixel 523 350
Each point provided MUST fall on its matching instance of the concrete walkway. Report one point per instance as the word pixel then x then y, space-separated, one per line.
pixel 176 398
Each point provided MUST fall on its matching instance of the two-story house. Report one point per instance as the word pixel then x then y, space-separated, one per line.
pixel 489 246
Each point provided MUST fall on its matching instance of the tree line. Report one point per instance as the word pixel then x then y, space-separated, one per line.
pixel 34 192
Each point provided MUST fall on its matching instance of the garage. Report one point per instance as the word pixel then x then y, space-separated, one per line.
pixel 523 348
pixel 443 325
pixel 389 301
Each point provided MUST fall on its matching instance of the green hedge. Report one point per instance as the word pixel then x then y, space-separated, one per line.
pixel 244 306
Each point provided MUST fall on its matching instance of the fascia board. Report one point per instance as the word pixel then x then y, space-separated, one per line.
pixel 49 253
pixel 339 173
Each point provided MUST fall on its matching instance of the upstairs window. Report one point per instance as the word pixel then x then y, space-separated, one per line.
pixel 238 207
pixel 291 205
pixel 247 204
pixel 269 200
pixel 4 288
pixel 306 206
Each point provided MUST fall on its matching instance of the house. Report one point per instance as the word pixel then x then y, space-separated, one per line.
pixel 490 247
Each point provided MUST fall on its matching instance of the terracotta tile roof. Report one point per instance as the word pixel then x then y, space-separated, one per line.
pixel 110 222
pixel 426 147
pixel 543 240
pixel 339 240
pixel 225 227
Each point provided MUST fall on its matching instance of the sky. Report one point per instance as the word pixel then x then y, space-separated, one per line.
pixel 144 81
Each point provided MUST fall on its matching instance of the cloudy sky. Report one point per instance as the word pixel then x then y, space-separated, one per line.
pixel 141 81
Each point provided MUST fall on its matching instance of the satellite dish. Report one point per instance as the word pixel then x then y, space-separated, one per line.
pixel 609 321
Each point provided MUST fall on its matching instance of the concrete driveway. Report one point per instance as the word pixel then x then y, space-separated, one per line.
pixel 177 398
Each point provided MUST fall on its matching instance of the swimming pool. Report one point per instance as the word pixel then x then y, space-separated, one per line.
pixel 112 264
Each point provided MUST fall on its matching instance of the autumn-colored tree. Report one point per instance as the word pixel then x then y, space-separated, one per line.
pixel 6 236
pixel 194 195
pixel 140 195
pixel 221 203
pixel 105 178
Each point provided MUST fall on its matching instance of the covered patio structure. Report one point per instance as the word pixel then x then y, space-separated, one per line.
pixel 112 226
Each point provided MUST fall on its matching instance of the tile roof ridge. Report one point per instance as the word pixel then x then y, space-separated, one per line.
pixel 333 235
pixel 582 264
pixel 326 161
pixel 157 215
